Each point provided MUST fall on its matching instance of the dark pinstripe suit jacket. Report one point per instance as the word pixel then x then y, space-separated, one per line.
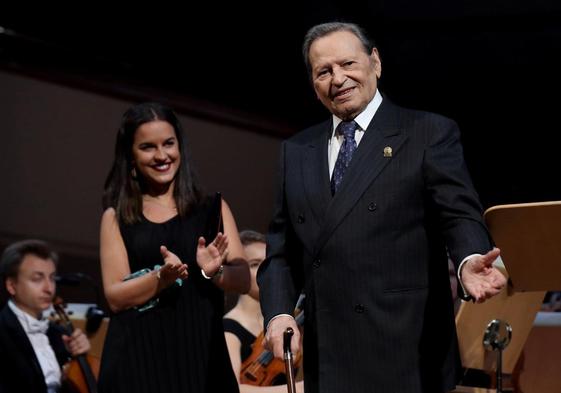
pixel 371 259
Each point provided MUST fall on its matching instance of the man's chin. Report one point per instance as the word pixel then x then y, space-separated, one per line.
pixel 347 112
pixel 46 305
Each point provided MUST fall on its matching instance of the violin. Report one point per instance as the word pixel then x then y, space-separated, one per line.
pixel 261 368
pixel 82 371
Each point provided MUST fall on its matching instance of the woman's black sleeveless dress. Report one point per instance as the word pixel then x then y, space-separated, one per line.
pixel 245 336
pixel 179 345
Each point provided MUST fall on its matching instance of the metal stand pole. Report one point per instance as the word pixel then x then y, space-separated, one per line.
pixel 496 338
pixel 289 366
pixel 499 370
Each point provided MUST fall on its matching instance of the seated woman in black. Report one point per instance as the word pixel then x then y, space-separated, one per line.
pixel 244 322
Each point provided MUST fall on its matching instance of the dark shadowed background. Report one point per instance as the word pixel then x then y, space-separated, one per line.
pixel 236 77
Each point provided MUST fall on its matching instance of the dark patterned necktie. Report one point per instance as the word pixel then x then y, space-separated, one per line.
pixel 347 129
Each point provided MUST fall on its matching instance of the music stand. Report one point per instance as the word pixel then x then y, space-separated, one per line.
pixel 529 236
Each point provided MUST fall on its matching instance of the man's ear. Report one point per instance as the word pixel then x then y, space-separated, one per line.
pixel 375 58
pixel 11 286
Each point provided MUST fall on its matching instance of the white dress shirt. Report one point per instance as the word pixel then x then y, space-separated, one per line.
pixel 36 330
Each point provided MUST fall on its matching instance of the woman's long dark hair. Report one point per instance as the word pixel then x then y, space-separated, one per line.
pixel 122 190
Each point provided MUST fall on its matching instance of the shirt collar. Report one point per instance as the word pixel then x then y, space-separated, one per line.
pixel 365 117
pixel 29 324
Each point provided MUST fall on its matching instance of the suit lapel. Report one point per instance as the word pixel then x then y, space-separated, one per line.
pixel 367 163
pixel 315 172
pixel 15 330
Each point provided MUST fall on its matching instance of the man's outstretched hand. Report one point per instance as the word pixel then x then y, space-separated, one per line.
pixel 480 278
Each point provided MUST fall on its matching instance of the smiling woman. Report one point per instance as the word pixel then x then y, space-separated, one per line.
pixel 156 153
pixel 154 220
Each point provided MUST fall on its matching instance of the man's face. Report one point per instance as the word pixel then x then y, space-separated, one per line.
pixel 343 74
pixel 34 288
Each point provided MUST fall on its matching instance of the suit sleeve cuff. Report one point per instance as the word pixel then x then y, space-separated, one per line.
pixel 464 295
pixel 275 317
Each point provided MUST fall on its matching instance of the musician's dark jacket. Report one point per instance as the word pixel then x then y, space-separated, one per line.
pixel 20 370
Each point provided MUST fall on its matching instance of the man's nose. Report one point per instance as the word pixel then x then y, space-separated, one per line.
pixel 50 287
pixel 339 76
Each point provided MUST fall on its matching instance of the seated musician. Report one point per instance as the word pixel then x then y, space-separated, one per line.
pixel 244 322
pixel 32 349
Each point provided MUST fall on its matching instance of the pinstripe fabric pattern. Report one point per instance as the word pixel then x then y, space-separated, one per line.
pixel 371 259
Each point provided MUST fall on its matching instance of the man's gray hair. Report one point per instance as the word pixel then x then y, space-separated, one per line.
pixel 319 31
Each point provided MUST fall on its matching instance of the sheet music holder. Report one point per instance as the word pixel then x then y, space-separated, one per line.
pixel 529 236
pixel 530 233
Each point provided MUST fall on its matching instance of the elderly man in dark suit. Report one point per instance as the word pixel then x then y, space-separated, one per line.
pixel 32 349
pixel 367 204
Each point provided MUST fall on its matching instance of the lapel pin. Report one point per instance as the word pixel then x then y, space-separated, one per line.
pixel 387 151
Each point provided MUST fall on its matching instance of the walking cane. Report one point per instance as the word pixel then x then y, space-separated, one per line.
pixel 290 383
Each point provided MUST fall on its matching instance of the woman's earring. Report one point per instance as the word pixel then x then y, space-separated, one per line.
pixel 133 173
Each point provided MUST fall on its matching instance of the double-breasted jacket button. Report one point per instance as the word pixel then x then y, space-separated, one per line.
pixel 359 308
pixel 316 263
pixel 372 206
pixel 301 218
